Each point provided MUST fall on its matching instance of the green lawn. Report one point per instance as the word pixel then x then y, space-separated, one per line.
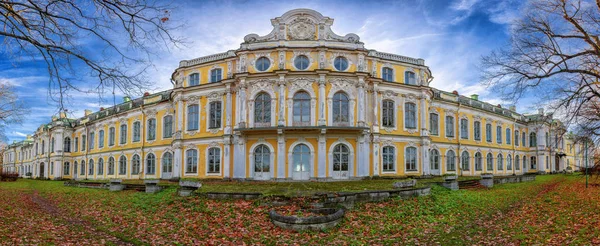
pixel 554 209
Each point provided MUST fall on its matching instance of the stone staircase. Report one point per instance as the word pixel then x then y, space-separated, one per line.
pixel 470 185
pixel 136 187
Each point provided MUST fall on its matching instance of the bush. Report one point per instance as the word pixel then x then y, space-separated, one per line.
pixel 8 176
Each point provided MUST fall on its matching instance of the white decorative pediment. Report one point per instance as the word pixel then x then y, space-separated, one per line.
pixel 302 83
pixel 344 84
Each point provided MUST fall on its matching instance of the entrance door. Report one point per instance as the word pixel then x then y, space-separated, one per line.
pixel 262 163
pixel 341 161
pixel 41 170
pixel 167 166
pixel 434 162
pixel 557 163
pixel 301 162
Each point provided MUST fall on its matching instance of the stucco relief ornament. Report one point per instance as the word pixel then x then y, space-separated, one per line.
pixel 213 130
pixel 302 29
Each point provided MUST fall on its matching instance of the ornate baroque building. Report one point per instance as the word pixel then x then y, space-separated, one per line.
pixel 299 103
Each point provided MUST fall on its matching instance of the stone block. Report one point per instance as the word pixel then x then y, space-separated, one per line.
pixel 489 183
pixel 453 185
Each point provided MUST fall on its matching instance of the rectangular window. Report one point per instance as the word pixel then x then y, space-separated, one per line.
pixel 434 124
pixel 516 138
pixel 410 116
pixel 151 129
pixel 411 159
pixel 76 144
pixel 387 113
pixel 136 131
pixel 499 134
pixel 464 128
pixel 194 79
pixel 83 142
pixel 449 126
pixel 92 138
pixel 101 139
pixel 388 159
pixel 167 126
pixel 192 118
pixel 488 133
pixel 123 134
pixel 215 75
pixel 508 136
pixel 523 139
pixel 215 115
pixel 111 136
pixel 477 130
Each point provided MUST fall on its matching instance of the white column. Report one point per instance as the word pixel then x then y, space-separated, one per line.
pixel 424 135
pixel 322 121
pixel 322 154
pixel 179 117
pixel 228 112
pixel 226 157
pixel 361 102
pixel 242 103
pixel 376 150
pixel 281 156
pixel 177 162
pixel 375 108
pixel 239 157
pixel 281 120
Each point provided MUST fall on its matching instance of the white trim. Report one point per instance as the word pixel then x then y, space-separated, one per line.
pixel 220 161
pixel 185 173
pixel 272 163
pixel 388 144
pixel 261 55
pixel 306 53
pixel 210 99
pixel 350 158
pixel 388 65
pixel 417 157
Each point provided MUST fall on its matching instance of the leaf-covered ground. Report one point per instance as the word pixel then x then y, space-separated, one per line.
pixel 552 210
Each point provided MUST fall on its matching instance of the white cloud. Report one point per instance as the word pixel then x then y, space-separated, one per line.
pixel 20 134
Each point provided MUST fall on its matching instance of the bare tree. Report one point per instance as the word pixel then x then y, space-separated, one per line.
pixel 11 109
pixel 554 53
pixel 96 46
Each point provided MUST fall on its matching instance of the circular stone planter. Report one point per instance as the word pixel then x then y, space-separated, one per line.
pixel 329 218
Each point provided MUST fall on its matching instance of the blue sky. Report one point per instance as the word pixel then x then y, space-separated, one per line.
pixel 450 35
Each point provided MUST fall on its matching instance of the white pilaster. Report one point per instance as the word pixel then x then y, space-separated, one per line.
pixel 281 120
pixel 322 154
pixel 228 112
pixel 239 157
pixel 322 121
pixel 177 162
pixel 281 156
pixel 361 102
pixel 226 156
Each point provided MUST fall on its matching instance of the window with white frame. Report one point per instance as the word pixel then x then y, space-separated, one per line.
pixel 167 162
pixel 498 134
pixel 101 139
pixel 66 168
pixel 191 161
pixel 82 172
pixel 340 63
pixel 111 136
pixel 387 74
pixel 477 130
pixel 150 164
pixel 100 166
pixel 388 158
pixel 214 160
pixel 478 162
pixel 137 131
pixel 509 162
pixel 465 161
pixel 122 165
pixel 516 138
pixel 341 109
pixel 262 64
pixel 216 75
pixel 83 143
pixel 500 161
pixel 488 133
pixel 449 126
pixel 92 142
pixel 123 134
pixel 215 115
pixel 111 165
pixel 301 108
pixel 387 113
pixel 192 117
pixel 301 62
pixel 450 161
pixel 532 139
pixel 464 128
pixel 194 79
pixel 167 126
pixel 517 163
pixel 410 115
pixel 151 129
pixel 434 124
pixel 410 78
pixel 411 159
pixel 434 159
pixel 67 144
pixel 508 136
pixel 262 109
pixel 135 164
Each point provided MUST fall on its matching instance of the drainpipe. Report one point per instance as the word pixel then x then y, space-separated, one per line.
pixel 142 173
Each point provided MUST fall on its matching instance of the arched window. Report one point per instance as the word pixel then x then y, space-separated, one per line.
pixel 465 161
pixel 215 115
pixel 167 126
pixel 123 134
pixel 532 139
pixel 387 113
pixel 301 158
pixel 262 109
pixel 194 79
pixel 387 74
pixel 478 162
pixel 101 166
pixel 508 136
pixel 101 139
pixel 477 130
pixel 111 136
pixel 490 162
pixel 388 156
pixel 451 161
pixel 67 144
pixel 301 110
pixel 135 164
pixel 341 109
pixel 411 159
pixel 192 117
pixel 191 162
pixel 111 165
pixel 410 78
pixel 167 162
pixel 262 159
pixel 137 131
pixel 214 160
pixel 509 162
pixel 434 161
pixel 301 62
pixel 340 63
pixel 449 126
pixel 150 164
pixel 464 128
pixel 341 158
pixel 151 130
pixel 262 64
pixel 216 75
pixel 410 115
pixel 500 162
pixel 517 163
pixel 82 172
pixel 533 162
pixel 67 168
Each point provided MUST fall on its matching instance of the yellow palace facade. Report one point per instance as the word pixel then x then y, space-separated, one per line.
pixel 300 103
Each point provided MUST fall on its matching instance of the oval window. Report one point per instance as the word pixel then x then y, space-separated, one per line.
pixel 301 62
pixel 262 64
pixel 340 63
